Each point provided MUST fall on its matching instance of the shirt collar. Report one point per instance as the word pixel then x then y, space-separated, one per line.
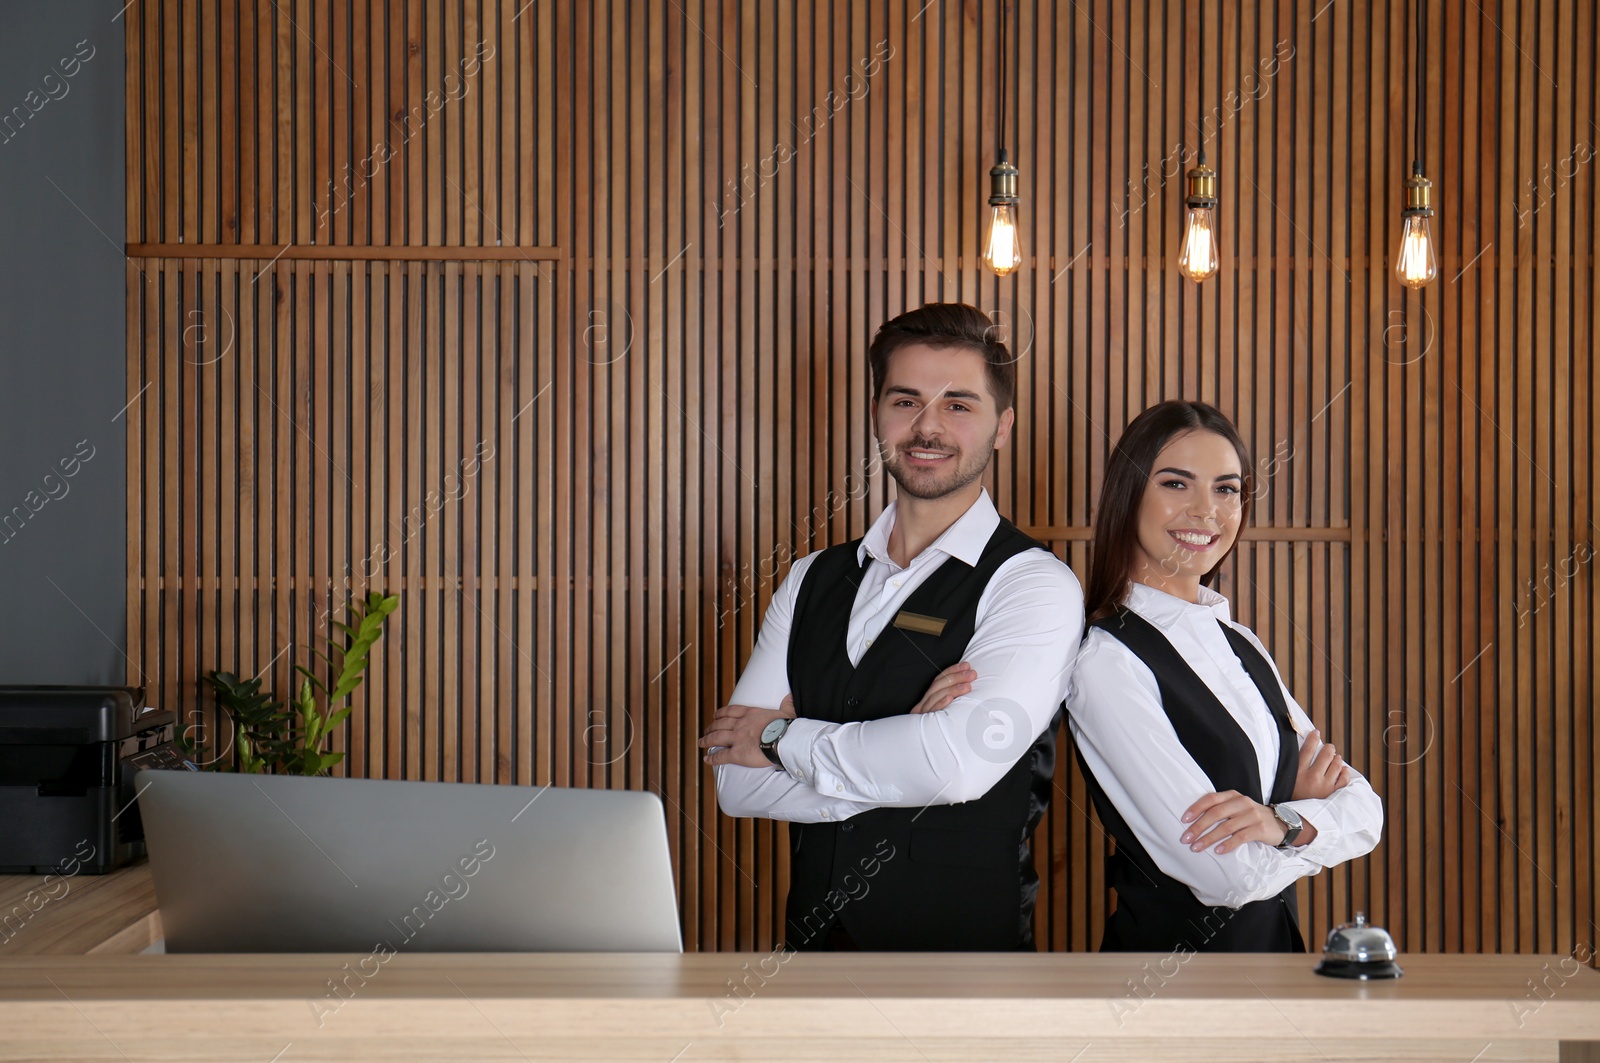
pixel 1166 610
pixel 963 540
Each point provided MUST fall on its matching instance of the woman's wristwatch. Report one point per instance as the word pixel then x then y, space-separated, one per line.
pixel 770 735
pixel 1292 824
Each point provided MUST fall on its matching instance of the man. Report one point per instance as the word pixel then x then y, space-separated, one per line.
pixel 912 786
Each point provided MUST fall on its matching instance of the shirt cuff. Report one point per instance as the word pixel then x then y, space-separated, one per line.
pixel 1320 814
pixel 795 747
pixel 820 771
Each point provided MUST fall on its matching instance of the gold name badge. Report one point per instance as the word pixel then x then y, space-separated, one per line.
pixel 927 625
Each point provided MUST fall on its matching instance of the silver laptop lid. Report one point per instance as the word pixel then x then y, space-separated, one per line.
pixel 262 863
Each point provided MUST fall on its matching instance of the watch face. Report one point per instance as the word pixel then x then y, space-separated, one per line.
pixel 774 730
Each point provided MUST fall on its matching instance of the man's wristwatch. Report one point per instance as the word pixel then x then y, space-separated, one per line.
pixel 770 735
pixel 1292 824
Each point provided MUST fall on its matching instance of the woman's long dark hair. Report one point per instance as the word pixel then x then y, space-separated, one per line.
pixel 1116 523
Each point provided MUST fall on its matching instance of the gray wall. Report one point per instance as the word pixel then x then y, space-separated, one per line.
pixel 63 355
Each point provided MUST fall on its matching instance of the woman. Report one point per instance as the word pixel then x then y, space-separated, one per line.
pixel 1210 777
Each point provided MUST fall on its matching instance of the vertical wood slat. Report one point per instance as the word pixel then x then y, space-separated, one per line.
pixel 676 394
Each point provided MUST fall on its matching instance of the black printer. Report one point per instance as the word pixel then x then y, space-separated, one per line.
pixel 67 760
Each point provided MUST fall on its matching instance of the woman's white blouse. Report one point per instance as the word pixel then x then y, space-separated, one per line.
pixel 1120 726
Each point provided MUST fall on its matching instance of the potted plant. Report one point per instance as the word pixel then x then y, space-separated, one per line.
pixel 278 738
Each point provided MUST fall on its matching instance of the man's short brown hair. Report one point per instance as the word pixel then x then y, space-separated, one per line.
pixel 942 325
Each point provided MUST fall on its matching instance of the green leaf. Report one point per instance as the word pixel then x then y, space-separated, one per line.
pixel 241 746
pixel 310 676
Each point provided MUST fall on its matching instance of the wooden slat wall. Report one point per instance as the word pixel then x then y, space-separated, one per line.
pixel 629 278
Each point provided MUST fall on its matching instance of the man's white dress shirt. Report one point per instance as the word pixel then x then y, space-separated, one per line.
pixel 1123 732
pixel 1027 634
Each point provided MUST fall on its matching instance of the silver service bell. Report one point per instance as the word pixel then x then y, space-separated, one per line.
pixel 1359 950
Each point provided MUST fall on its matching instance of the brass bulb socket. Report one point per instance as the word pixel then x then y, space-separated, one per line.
pixel 1202 186
pixel 1003 184
pixel 1419 196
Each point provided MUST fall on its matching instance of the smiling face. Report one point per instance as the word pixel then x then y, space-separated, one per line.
pixel 1190 514
pixel 936 420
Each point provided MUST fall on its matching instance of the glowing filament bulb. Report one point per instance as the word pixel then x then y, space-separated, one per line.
pixel 1416 265
pixel 1003 251
pixel 1199 258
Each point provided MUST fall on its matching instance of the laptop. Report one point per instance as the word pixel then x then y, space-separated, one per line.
pixel 273 863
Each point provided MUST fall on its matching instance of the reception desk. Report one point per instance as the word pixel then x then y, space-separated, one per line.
pixel 835 1008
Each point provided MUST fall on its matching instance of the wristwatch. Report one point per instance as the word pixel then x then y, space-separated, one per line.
pixel 1292 824
pixel 770 736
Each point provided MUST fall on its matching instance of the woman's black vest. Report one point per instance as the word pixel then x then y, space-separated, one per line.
pixel 942 877
pixel 1155 912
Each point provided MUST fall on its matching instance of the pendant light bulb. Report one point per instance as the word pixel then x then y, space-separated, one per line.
pixel 1416 265
pixel 1199 256
pixel 1002 250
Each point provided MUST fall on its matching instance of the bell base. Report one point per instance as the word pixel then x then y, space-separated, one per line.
pixel 1369 970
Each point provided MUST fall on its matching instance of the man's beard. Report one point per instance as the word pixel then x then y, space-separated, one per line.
pixel 929 484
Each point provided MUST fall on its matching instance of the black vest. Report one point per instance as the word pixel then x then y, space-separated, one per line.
pixel 943 877
pixel 1155 912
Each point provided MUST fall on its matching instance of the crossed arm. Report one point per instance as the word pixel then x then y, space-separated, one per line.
pixel 1195 834
pixel 1020 656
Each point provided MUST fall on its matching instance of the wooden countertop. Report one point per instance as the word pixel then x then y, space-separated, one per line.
pixel 58 1003
pixel 80 915
pixel 835 1007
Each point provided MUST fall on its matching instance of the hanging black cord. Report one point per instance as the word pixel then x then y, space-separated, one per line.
pixel 1201 95
pixel 1016 108
pixel 1409 31
pixel 1422 78
pixel 1000 130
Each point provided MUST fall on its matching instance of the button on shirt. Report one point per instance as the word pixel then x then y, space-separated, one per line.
pixel 1028 625
pixel 1117 719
